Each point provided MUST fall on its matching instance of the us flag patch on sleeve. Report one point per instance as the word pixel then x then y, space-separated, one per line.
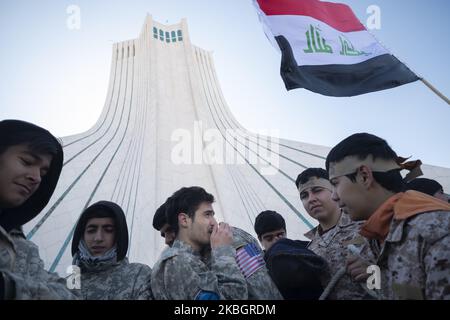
pixel 249 259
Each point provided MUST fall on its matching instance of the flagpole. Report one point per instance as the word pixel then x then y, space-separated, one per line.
pixel 436 91
pixel 425 82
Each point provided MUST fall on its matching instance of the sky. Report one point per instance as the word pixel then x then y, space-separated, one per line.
pixel 57 77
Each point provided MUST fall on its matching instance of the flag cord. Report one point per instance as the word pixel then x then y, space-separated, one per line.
pixel 436 91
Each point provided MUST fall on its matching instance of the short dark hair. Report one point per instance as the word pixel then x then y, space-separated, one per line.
pixel 186 200
pixel 363 145
pixel 268 221
pixel 100 212
pixel 309 173
pixel 93 213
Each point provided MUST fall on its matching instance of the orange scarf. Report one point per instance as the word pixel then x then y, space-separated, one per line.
pixel 400 206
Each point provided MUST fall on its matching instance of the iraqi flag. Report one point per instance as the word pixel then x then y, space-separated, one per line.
pixel 327 50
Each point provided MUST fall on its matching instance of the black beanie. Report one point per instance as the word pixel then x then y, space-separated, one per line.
pixel 268 221
pixel 159 219
pixel 424 185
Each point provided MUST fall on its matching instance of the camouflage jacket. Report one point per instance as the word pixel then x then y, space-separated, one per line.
pixel 332 246
pixel 23 271
pixel 7 260
pixel 119 281
pixel 180 273
pixel 415 258
pixel 259 283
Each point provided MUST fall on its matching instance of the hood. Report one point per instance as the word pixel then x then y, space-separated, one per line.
pixel 18 216
pixel 121 227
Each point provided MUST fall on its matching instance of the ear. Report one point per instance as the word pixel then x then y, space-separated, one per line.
pixel 183 219
pixel 365 176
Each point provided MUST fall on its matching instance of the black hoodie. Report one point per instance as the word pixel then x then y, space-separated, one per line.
pixel 16 217
pixel 120 227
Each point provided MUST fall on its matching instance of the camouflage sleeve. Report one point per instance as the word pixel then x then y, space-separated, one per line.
pixel 231 281
pixel 437 268
pixel 32 281
pixel 366 253
pixel 183 281
pixel 259 283
pixel 47 287
pixel 142 284
pixel 262 287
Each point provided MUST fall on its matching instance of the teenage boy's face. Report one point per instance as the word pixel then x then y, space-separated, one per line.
pixel 351 197
pixel 168 234
pixel 99 235
pixel 318 203
pixel 21 173
pixel 269 238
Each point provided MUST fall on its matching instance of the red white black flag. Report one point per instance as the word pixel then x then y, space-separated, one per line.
pixel 327 50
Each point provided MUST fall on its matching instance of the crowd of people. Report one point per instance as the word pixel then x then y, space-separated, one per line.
pixel 368 218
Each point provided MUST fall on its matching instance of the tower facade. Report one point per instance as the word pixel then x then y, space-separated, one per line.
pixel 165 124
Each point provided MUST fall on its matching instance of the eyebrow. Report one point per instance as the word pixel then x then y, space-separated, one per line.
pixel 32 154
pixel 36 158
pixel 273 234
pixel 97 226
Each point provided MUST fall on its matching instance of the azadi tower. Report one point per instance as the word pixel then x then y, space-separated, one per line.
pixel 165 124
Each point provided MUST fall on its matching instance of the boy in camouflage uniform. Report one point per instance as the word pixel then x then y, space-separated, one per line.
pixel 189 269
pixel 30 164
pixel 335 232
pixel 269 227
pixel 259 283
pixel 99 246
pixel 409 232
pixel 296 270
pixel 160 224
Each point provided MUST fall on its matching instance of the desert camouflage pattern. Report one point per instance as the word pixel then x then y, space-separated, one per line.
pixel 333 247
pixel 415 258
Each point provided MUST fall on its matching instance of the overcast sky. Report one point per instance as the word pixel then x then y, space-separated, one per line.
pixel 57 77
